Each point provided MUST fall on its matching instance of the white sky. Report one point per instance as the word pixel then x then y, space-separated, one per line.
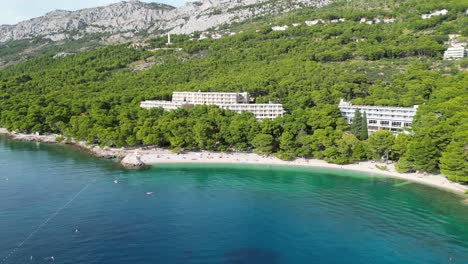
pixel 14 11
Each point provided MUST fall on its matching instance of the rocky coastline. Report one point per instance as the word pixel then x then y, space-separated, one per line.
pixel 95 150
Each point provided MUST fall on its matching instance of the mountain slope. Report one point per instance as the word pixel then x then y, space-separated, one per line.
pixel 70 32
pixel 127 19
pixel 58 25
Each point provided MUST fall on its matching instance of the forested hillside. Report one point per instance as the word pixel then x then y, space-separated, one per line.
pixel 95 95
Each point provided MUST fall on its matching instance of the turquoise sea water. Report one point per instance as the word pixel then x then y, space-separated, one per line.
pixel 216 214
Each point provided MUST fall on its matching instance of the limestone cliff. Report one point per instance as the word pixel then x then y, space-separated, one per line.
pixel 125 20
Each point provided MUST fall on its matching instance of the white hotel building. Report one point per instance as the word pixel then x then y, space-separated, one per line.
pixel 454 53
pixel 237 102
pixel 394 119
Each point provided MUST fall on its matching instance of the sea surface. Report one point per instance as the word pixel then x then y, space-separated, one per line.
pixel 56 201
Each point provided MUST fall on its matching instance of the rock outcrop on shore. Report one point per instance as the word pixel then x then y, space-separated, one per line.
pixel 128 160
pixel 133 161
pixel 35 138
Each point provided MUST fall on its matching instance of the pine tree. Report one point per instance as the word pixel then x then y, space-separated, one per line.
pixel 422 155
pixel 454 160
pixel 356 125
pixel 364 133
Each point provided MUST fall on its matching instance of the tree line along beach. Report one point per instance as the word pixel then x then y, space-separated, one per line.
pixel 143 157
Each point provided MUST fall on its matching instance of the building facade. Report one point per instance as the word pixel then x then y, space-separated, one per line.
pixel 454 53
pixel 395 119
pixel 261 111
pixel 236 102
pixel 210 98
pixel 166 105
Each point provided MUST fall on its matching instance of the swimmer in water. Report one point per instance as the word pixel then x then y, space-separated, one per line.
pixel 116 181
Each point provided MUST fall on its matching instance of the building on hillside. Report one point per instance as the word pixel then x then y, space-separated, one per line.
pixel 137 45
pixel 237 102
pixel 395 119
pixel 166 105
pixel 216 36
pixel 203 36
pixel 260 111
pixel 280 28
pixel 454 53
pixel 426 16
pixel 210 98
pixel 314 22
pixel 442 12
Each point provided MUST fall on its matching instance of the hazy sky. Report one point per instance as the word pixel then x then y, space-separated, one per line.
pixel 13 11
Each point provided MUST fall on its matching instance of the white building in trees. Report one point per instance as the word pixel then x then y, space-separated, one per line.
pixel 442 12
pixel 237 102
pixel 454 53
pixel 395 119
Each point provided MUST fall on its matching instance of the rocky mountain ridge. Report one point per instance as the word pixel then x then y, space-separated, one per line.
pixel 129 19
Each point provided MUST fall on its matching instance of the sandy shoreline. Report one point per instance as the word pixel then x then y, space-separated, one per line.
pixel 140 157
pixel 159 156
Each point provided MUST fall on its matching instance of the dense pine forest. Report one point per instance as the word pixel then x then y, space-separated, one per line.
pixel 94 96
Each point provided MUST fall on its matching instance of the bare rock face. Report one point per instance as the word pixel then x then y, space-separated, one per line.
pixel 133 161
pixel 60 24
pixel 205 14
pixel 133 17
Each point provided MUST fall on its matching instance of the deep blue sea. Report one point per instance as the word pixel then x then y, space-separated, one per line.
pixel 56 201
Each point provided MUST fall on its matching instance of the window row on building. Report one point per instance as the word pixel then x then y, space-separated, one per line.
pixel 395 119
pixel 210 98
pixel 454 53
pixel 237 102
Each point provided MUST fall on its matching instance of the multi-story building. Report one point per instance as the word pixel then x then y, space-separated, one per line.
pixel 166 105
pixel 395 119
pixel 455 53
pixel 237 102
pixel 442 12
pixel 210 98
pixel 261 111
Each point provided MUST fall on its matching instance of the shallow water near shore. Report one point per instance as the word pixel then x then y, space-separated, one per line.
pixel 57 201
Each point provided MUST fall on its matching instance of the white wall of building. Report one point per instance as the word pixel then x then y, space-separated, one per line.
pixel 166 105
pixel 395 119
pixel 237 102
pixel 210 98
pixel 261 111
pixel 455 53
